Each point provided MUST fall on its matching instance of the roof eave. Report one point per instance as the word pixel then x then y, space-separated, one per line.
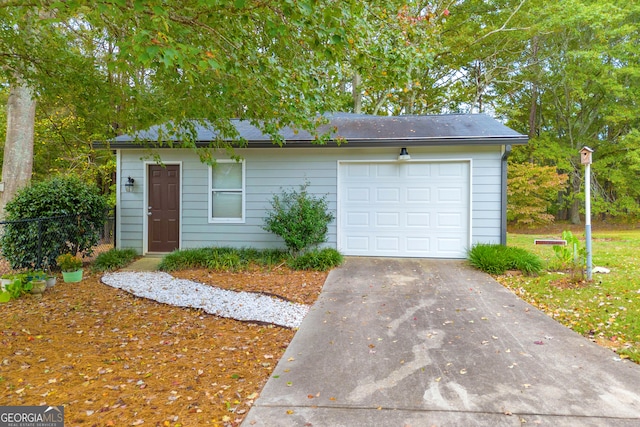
pixel 369 143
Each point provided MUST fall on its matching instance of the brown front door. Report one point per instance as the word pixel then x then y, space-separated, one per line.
pixel 164 208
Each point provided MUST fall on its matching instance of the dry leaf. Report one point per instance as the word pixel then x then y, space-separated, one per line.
pixel 125 339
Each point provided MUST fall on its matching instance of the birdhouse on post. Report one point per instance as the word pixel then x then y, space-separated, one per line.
pixel 585 159
pixel 585 155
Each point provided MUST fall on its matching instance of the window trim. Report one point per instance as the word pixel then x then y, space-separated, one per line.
pixel 242 191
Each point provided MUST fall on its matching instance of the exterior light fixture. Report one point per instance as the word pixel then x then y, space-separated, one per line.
pixel 404 154
pixel 128 186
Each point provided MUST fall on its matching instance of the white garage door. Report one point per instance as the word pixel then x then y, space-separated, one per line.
pixel 404 209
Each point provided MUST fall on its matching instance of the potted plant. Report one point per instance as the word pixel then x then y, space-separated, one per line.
pixel 51 280
pixel 38 286
pixel 18 287
pixel 6 279
pixel 37 279
pixel 71 268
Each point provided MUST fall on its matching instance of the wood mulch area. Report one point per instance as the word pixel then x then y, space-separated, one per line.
pixel 113 359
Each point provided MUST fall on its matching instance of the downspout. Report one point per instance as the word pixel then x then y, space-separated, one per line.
pixel 503 196
pixel 116 231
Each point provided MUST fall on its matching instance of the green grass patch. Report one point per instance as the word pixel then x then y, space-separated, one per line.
pixel 607 309
pixel 114 259
pixel 234 260
pixel 496 259
pixel 319 259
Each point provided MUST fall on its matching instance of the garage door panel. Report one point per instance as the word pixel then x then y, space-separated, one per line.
pixel 418 195
pixel 386 195
pixel 416 209
pixel 386 170
pixel 418 170
pixel 387 243
pixel 355 170
pixel 418 245
pixel 451 169
pixel 387 219
pixel 449 195
pixel 418 219
pixel 355 244
pixel 357 219
pixel 448 245
pixel 449 220
pixel 358 194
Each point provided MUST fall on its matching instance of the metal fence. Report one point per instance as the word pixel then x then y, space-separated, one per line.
pixel 37 241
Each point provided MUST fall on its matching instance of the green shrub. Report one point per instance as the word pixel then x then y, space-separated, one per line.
pixel 301 219
pixel 224 258
pixel 227 259
pixel 321 260
pixel 496 259
pixel 58 196
pixel 232 259
pixel 114 259
pixel 183 259
pixel 272 257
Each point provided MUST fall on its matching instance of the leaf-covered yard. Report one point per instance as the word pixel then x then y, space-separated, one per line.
pixel 113 359
pixel 606 310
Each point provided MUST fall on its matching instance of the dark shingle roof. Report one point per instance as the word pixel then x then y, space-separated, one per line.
pixel 370 131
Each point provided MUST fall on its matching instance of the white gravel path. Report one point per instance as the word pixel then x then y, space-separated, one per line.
pixel 164 288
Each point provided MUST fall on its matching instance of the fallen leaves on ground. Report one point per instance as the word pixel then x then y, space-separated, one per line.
pixel 113 359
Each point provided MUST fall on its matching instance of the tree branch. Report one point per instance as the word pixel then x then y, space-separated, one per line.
pixel 504 26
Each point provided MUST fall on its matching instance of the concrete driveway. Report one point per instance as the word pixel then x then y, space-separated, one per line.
pixel 420 342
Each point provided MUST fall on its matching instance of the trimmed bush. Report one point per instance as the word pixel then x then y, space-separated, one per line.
pixel 63 195
pixel 114 259
pixel 224 258
pixel 496 259
pixel 301 219
pixel 321 260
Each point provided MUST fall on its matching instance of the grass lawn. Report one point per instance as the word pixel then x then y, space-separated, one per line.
pixel 607 309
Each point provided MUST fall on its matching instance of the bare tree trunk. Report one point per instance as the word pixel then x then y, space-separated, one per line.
pixel 18 148
pixel 356 93
pixel 533 112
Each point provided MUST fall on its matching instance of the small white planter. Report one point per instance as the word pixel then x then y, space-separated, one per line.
pixel 4 283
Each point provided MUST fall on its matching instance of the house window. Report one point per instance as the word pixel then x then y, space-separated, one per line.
pixel 226 195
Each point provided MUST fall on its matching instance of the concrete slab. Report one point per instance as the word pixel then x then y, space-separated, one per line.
pixel 434 342
pixel 146 263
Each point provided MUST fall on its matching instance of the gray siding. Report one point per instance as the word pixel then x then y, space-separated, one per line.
pixel 269 171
